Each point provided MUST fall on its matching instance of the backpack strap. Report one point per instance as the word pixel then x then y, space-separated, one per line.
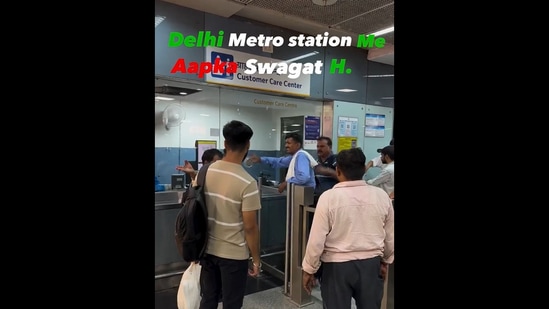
pixel 199 182
pixel 201 177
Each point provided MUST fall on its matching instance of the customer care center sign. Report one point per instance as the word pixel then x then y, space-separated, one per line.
pixel 291 76
pixel 267 79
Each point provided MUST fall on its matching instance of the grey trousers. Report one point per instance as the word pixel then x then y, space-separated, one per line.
pixel 358 279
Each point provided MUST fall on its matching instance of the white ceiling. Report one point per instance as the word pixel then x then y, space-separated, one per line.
pixel 343 18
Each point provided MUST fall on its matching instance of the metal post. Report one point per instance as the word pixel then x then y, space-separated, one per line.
pixel 301 197
pixel 289 196
pixel 259 189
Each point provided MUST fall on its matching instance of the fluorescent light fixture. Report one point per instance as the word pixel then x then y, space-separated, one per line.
pixel 295 125
pixel 183 93
pixel 379 75
pixel 383 31
pixel 301 57
pixel 158 20
pixel 205 115
pixel 287 131
pixel 164 98
pixel 346 90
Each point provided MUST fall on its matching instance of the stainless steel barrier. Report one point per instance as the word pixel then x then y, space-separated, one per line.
pixel 272 231
pixel 298 200
pixel 259 189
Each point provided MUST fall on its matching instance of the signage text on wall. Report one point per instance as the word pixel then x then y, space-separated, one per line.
pixel 273 81
pixel 262 72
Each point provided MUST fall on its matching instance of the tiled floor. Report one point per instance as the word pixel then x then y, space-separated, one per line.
pixel 265 292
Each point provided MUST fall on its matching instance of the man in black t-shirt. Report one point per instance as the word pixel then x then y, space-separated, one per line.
pixel 327 160
pixel 325 176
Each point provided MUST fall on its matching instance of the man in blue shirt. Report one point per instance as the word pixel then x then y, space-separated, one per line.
pixel 300 163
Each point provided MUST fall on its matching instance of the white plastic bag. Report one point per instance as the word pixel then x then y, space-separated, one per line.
pixel 188 294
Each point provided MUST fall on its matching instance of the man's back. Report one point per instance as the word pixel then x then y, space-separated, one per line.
pixel 360 220
pixel 229 190
pixel 352 238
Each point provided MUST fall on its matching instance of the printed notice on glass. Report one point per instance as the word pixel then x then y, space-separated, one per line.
pixel 374 125
pixel 312 132
pixel 345 143
pixel 347 127
pixel 201 146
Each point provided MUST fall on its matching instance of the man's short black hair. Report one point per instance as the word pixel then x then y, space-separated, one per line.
pixel 296 137
pixel 209 155
pixel 351 162
pixel 237 134
pixel 325 138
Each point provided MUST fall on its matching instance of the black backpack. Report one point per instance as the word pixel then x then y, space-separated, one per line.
pixel 191 225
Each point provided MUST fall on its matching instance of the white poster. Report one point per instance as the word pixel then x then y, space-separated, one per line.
pixel 347 127
pixel 375 125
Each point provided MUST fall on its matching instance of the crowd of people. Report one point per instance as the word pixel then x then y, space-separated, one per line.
pixel 351 234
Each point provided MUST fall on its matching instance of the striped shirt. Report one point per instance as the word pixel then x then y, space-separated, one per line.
pixel 229 190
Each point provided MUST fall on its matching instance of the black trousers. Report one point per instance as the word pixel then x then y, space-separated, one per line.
pixel 358 279
pixel 220 274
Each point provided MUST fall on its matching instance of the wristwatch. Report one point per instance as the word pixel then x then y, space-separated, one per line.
pixel 254 264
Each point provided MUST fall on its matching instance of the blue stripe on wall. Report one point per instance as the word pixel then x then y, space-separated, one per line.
pixel 167 158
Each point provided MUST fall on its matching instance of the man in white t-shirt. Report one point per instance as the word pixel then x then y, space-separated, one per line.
pixel 376 162
pixel 386 178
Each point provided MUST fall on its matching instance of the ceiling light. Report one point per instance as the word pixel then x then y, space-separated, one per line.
pixel 183 93
pixel 158 20
pixel 164 98
pixel 383 31
pixel 346 90
pixel 324 2
pixel 379 75
pixel 296 125
pixel 301 57
pixel 205 115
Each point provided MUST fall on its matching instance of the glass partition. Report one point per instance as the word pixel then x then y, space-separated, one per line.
pixel 186 112
pixel 202 111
